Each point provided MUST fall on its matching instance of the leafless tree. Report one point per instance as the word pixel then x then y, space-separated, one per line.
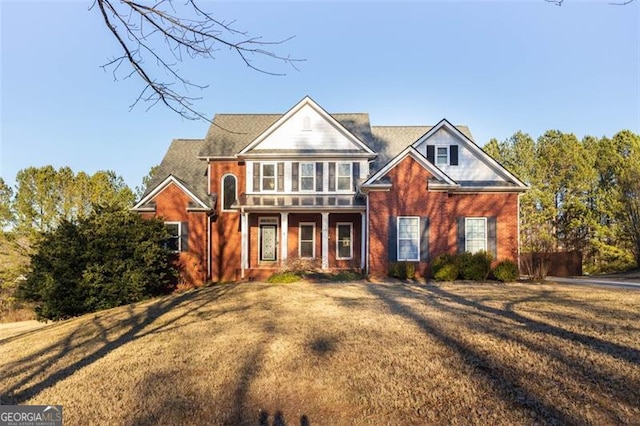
pixel 164 33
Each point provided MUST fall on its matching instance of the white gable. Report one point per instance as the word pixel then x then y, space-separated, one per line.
pixel 472 163
pixel 306 127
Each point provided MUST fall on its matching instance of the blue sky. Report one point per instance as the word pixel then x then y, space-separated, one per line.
pixel 498 67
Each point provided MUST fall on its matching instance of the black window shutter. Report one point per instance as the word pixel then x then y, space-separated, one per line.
pixel 280 177
pixel 424 239
pixel 392 245
pixel 356 175
pixel 184 236
pixel 294 176
pixel 492 236
pixel 332 176
pixel 461 235
pixel 431 153
pixel 256 177
pixel 453 155
pixel 319 177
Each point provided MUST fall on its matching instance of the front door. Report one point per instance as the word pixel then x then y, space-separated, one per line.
pixel 268 247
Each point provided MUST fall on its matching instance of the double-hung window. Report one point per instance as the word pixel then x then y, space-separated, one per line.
pixel 344 239
pixel 442 155
pixel 173 243
pixel 343 176
pixel 307 176
pixel 409 238
pixel 475 234
pixel 306 240
pixel 268 176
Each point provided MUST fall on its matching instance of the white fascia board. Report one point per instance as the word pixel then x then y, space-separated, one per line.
pixel 286 116
pixel 413 153
pixel 498 168
pixel 276 155
pixel 219 158
pixel 162 185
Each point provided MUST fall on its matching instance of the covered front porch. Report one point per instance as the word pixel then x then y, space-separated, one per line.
pixel 326 232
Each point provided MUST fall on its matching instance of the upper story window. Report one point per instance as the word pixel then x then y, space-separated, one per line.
pixel 268 176
pixel 343 175
pixel 307 176
pixel 229 191
pixel 442 155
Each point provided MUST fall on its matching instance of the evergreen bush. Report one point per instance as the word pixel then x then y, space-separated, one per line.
pixel 506 271
pixel 445 267
pixel 476 266
pixel 110 258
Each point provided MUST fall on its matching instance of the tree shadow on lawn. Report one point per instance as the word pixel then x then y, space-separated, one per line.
pixel 484 319
pixel 39 368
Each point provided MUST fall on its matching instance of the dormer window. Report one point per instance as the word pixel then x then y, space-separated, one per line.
pixel 443 155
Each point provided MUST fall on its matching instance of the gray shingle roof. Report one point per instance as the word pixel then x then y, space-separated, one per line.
pixel 230 133
pixel 389 141
pixel 181 161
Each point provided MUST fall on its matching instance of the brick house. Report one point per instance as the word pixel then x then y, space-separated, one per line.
pixel 261 190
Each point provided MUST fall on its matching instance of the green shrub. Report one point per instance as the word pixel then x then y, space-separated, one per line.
pixel 506 271
pixel 445 267
pixel 284 277
pixel 402 270
pixel 476 266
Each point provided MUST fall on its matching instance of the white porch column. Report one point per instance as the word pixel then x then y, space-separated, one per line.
pixel 284 238
pixel 363 239
pixel 325 240
pixel 244 249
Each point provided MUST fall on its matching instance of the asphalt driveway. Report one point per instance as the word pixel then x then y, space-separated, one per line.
pixel 631 281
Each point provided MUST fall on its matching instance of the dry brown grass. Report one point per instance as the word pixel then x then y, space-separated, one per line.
pixel 356 353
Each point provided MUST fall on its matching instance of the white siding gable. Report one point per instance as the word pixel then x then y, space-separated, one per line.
pixel 307 129
pixel 471 166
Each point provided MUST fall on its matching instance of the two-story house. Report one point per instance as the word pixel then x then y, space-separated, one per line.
pixel 264 189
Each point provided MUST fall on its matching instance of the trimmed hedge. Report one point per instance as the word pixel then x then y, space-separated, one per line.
pixel 445 267
pixel 402 270
pixel 473 267
pixel 506 271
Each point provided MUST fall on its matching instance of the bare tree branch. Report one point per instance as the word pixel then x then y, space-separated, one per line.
pixel 166 35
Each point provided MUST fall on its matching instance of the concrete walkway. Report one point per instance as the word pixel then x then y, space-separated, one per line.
pixel 603 281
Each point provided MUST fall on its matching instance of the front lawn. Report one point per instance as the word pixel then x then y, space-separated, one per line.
pixel 340 353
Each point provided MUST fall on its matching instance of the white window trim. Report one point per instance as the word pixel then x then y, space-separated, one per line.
pixel 313 176
pixel 179 235
pixel 466 230
pixel 417 259
pixel 350 225
pixel 224 176
pixel 350 189
pixel 448 161
pixel 313 241
pixel 275 176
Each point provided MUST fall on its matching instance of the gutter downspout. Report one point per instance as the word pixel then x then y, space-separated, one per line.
pixel 368 238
